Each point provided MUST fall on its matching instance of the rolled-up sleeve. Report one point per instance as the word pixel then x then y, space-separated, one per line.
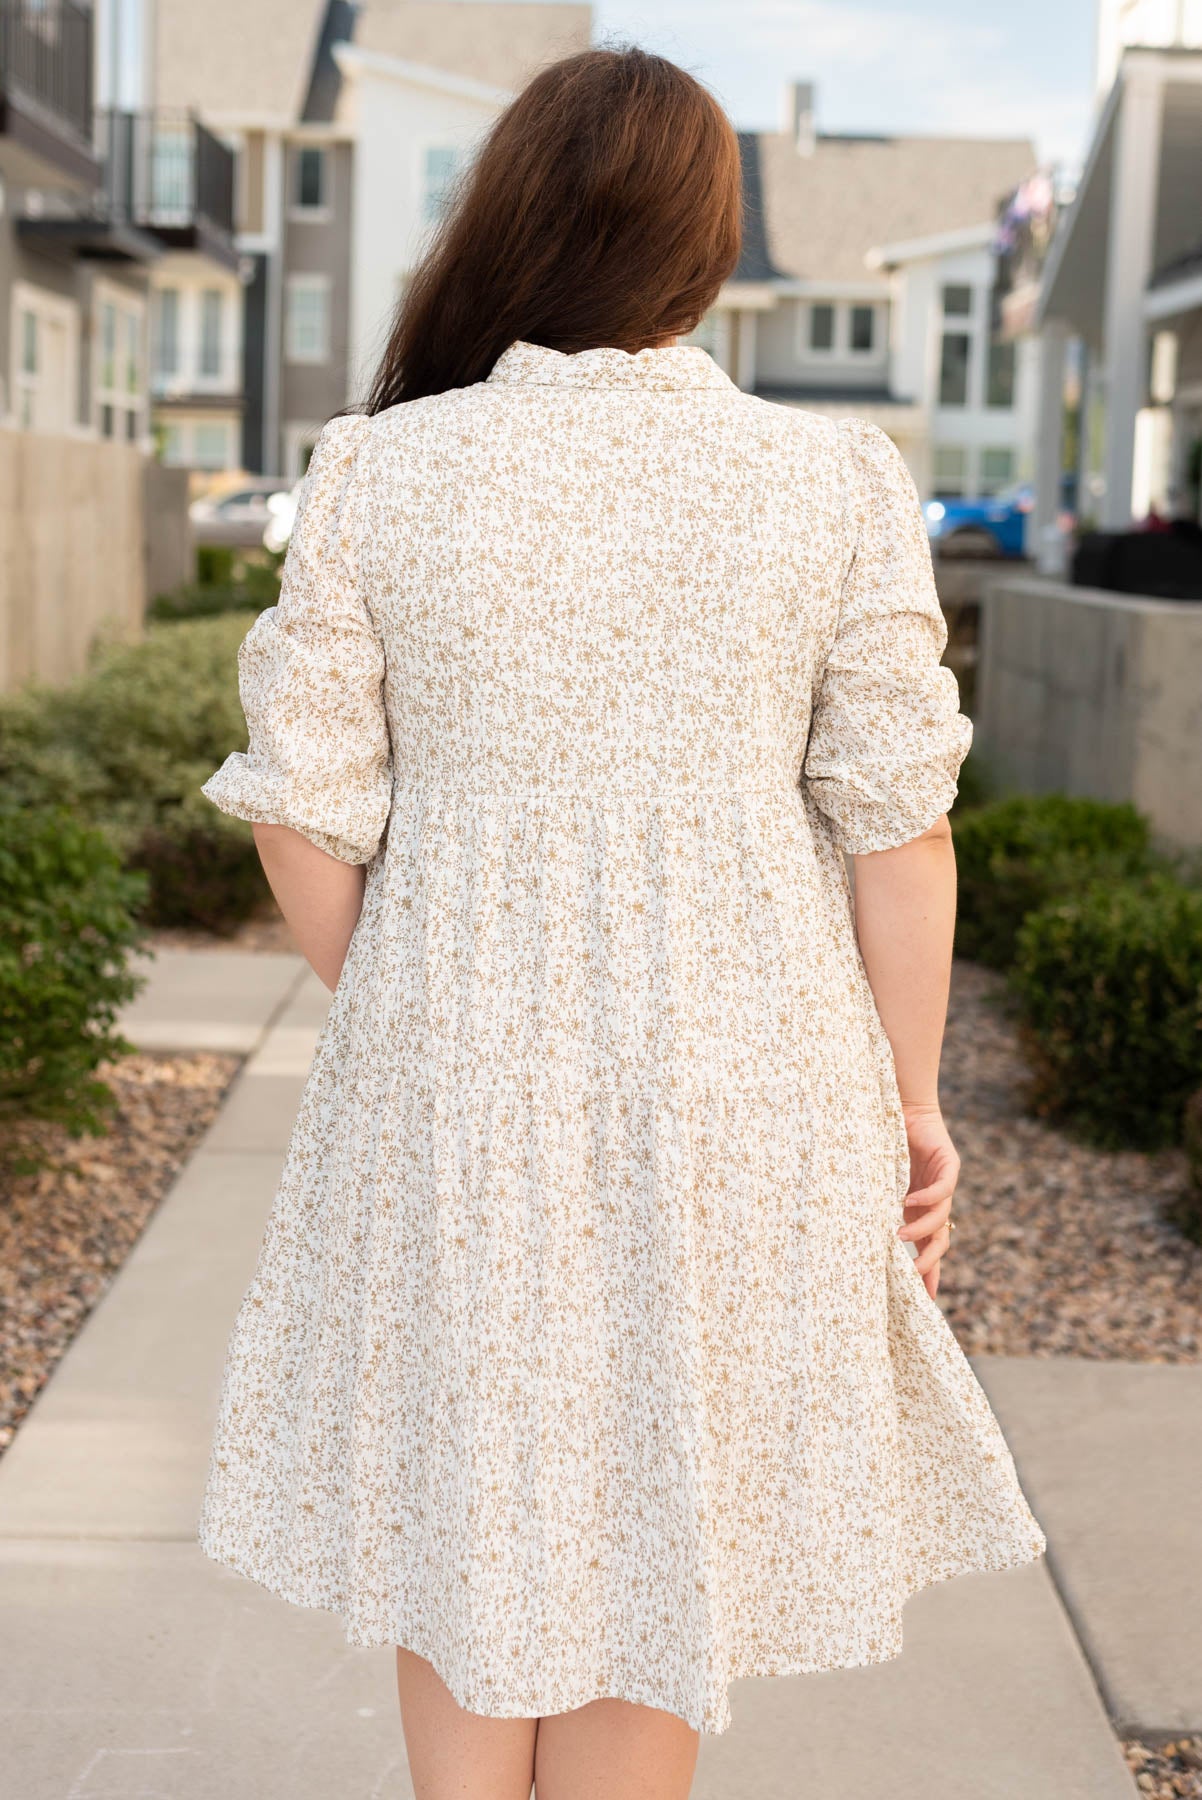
pixel 887 736
pixel 311 678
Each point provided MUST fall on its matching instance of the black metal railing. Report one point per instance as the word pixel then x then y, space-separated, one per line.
pixel 46 56
pixel 165 171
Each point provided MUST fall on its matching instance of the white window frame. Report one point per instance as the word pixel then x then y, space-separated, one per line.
pixel 314 284
pixel 54 309
pixel 128 307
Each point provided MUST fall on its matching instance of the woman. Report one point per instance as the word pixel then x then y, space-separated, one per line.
pixel 588 1359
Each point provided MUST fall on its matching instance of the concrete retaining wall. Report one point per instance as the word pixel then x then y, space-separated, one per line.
pixel 84 527
pixel 1094 693
pixel 71 552
pixel 170 552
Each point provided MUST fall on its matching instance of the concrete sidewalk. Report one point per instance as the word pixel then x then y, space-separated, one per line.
pixel 132 1666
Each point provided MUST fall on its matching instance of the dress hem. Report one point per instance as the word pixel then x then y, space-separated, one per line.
pixel 712 1723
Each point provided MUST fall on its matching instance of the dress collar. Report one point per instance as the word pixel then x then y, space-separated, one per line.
pixel 605 366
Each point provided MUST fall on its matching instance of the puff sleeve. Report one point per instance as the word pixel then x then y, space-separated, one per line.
pixel 311 679
pixel 887 736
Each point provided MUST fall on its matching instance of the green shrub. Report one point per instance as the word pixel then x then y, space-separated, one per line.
pixel 974 787
pixel 227 581
pixel 1015 854
pixel 67 926
pixel 1109 988
pixel 127 748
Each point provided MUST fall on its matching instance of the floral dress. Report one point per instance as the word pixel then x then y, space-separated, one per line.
pixel 582 1357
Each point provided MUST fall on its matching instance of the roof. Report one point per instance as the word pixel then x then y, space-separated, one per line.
pixel 271 61
pixel 237 59
pixel 1182 268
pixel 825 210
pixel 499 42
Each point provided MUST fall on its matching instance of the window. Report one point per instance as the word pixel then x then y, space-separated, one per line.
pixel 107 375
pixel 210 331
pixel 997 469
pixel 27 387
pixel 953 368
pixel 171 444
pixel 951 471
pixel 133 355
pixel 863 328
pixel 118 396
pixel 166 332
pixel 43 359
pixel 308 321
pixel 309 179
pixel 957 301
pixel 442 163
pixel 999 379
pixel 210 445
pixel 822 325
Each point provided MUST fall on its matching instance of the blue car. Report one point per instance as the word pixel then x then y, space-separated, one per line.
pixel 996 526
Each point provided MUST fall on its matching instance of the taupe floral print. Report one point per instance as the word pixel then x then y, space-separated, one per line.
pixel 581 1356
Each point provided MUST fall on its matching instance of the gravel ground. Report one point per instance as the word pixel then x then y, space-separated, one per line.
pixel 65 1231
pixel 267 931
pixel 1060 1250
pixel 1170 1772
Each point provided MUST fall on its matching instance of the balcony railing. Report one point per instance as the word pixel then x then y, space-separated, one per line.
pixel 46 57
pixel 166 172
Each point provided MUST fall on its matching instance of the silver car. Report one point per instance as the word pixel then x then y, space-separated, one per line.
pixel 238 517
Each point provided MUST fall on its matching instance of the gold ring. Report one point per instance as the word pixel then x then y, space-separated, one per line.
pixel 951 1224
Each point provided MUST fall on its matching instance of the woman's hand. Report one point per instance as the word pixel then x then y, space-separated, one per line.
pixel 934 1171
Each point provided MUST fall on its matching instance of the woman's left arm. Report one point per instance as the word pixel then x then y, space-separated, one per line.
pixel 319 896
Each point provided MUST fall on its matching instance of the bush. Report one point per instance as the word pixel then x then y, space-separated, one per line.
pixel 1109 987
pixel 227 581
pixel 127 748
pixel 1014 855
pixel 974 787
pixel 67 926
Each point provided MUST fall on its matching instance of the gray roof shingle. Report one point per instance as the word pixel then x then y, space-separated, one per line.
pixel 822 212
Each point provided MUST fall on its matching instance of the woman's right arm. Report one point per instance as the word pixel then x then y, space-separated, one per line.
pixel 886 741
pixel 905 914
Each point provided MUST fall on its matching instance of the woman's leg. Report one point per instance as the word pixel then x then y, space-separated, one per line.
pixel 458 1755
pixel 614 1750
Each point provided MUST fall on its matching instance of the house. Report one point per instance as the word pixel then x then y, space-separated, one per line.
pixel 104 190
pixel 1121 294
pixel 348 124
pixel 866 287
pixel 73 279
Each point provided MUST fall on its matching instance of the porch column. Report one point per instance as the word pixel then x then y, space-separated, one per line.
pixel 1135 179
pixel 1047 546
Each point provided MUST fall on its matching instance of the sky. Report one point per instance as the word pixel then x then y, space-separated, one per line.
pixel 1015 68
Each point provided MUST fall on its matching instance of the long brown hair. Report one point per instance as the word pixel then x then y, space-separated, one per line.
pixel 604 207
